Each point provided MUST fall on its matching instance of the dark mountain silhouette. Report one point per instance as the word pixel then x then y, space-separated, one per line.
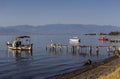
pixel 58 29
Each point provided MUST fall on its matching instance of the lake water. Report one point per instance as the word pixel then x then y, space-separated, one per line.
pixel 43 64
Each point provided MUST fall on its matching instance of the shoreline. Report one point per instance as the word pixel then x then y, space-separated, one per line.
pixel 93 69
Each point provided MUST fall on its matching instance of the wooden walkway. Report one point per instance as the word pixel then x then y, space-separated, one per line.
pixel 74 48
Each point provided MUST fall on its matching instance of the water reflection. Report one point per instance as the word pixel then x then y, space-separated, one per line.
pixel 20 54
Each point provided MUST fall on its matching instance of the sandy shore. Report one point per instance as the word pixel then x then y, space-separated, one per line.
pixel 93 71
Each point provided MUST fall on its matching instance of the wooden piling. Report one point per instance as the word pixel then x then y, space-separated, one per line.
pixel 97 49
pixel 90 49
pixel 108 49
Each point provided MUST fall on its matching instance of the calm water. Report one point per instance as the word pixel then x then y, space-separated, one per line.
pixel 41 63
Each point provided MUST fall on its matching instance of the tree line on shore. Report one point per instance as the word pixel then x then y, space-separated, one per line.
pixel 110 33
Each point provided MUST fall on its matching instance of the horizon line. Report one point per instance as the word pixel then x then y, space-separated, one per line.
pixel 56 24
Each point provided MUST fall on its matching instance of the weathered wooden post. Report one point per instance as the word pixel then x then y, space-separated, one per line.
pixel 73 49
pixel 67 48
pixel 90 49
pixel 108 49
pixel 97 49
pixel 60 46
pixel 114 48
pixel 78 47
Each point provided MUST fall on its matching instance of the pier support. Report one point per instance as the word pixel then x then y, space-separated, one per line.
pixel 73 49
pixel 97 49
pixel 108 49
pixel 114 48
pixel 90 49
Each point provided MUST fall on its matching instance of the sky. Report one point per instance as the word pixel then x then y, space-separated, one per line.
pixel 42 12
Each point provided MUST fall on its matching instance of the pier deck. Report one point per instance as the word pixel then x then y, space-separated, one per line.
pixel 75 48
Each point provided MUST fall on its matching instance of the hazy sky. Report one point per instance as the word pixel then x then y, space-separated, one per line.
pixel 40 12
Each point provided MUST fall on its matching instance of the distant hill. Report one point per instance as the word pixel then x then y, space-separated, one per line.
pixel 58 29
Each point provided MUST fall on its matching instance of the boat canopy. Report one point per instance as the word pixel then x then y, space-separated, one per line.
pixel 22 37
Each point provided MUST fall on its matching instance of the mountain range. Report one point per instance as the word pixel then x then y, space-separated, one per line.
pixel 58 29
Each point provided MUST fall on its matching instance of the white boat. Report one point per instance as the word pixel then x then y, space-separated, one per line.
pixel 20 43
pixel 74 40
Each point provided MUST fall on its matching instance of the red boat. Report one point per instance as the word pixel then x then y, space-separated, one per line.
pixel 103 39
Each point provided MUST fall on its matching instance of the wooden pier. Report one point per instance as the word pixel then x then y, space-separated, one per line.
pixel 78 48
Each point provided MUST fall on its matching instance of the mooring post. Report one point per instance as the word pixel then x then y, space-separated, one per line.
pixel 97 49
pixel 114 48
pixel 53 48
pixel 60 46
pixel 67 48
pixel 78 47
pixel 108 49
pixel 90 49
pixel 82 49
pixel 46 48
pixel 73 49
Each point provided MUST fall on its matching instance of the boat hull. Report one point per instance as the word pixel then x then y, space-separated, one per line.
pixel 103 39
pixel 22 47
pixel 74 41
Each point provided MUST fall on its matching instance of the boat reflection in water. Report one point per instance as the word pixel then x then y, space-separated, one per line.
pixel 20 54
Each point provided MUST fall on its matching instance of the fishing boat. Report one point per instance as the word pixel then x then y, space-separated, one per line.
pixel 74 41
pixel 103 39
pixel 20 43
pixel 115 40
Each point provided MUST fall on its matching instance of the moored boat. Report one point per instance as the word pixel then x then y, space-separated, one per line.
pixel 114 40
pixel 103 39
pixel 20 43
pixel 74 40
